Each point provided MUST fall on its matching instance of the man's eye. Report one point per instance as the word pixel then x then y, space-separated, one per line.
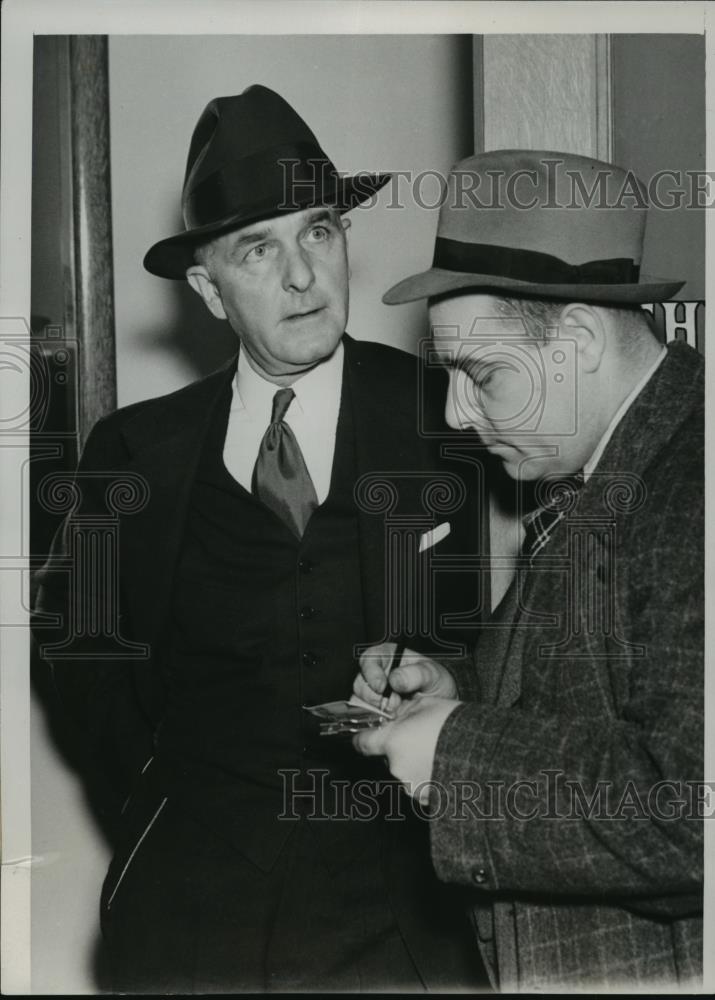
pixel 319 233
pixel 257 252
pixel 480 376
pixel 487 375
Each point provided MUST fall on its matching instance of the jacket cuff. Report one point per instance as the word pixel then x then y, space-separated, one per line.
pixel 460 820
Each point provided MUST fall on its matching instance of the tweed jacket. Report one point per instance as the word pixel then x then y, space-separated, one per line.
pixel 563 774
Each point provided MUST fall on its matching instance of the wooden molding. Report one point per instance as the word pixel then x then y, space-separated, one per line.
pixel 92 229
pixel 544 92
pixel 604 97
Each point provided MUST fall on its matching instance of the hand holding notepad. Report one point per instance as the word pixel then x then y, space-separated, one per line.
pixel 337 717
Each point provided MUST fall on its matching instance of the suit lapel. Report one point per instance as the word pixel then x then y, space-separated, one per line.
pixel 653 418
pixel 371 527
pixel 382 445
pixel 494 644
pixel 164 442
pixel 655 415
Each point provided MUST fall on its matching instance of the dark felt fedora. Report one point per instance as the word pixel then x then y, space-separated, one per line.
pixel 545 224
pixel 251 157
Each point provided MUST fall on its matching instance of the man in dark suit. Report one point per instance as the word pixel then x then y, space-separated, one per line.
pixel 562 761
pixel 244 559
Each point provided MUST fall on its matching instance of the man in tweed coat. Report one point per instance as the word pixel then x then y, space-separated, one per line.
pixel 561 763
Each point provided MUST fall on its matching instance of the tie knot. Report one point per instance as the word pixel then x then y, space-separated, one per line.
pixel 281 401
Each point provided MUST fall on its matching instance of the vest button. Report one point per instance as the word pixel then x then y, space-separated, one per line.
pixel 306 565
pixel 479 876
pixel 307 612
pixel 309 659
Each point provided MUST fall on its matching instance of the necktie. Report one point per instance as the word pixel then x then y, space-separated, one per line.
pixel 280 477
pixel 559 496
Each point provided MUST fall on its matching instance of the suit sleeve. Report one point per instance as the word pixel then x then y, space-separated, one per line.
pixel 96 694
pixel 563 805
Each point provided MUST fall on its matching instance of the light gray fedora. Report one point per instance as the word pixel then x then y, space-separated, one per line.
pixel 544 224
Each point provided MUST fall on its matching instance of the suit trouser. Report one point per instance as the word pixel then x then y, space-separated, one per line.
pixel 185 912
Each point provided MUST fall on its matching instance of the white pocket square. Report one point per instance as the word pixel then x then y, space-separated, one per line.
pixel 431 538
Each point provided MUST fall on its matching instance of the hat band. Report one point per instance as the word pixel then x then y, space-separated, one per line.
pixel 282 178
pixel 531 265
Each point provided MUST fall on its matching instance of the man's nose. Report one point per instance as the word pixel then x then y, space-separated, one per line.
pixel 298 274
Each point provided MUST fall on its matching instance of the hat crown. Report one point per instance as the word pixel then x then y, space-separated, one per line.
pixel 240 126
pixel 572 207
pixel 540 223
pixel 251 157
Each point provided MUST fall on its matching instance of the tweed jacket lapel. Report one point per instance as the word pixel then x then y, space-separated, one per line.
pixel 494 644
pixel 164 443
pixel 649 423
pixel 654 417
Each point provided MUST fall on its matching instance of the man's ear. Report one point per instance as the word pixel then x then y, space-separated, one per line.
pixel 204 285
pixel 585 326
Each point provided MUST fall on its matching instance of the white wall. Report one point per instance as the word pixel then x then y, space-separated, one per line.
pixel 70 858
pixel 375 103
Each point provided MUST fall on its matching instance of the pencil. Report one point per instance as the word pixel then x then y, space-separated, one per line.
pixel 394 662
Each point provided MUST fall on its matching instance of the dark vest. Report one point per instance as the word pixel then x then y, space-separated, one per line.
pixel 262 624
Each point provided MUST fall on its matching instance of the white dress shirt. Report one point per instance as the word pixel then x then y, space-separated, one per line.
pixel 312 416
pixel 620 413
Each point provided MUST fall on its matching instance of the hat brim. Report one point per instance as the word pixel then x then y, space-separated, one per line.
pixel 170 258
pixel 438 281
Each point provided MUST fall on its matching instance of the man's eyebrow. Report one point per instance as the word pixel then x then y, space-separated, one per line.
pixel 257 235
pixel 439 356
pixel 453 357
pixel 245 239
pixel 320 215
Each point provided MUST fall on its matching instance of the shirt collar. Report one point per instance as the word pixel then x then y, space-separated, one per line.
pixel 320 384
pixel 590 465
pixel 253 393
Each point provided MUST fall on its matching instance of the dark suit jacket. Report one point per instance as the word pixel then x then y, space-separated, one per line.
pixel 152 448
pixel 592 672
pixel 134 483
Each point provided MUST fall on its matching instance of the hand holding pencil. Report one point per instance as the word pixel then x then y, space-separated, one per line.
pixel 390 673
pixel 394 662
